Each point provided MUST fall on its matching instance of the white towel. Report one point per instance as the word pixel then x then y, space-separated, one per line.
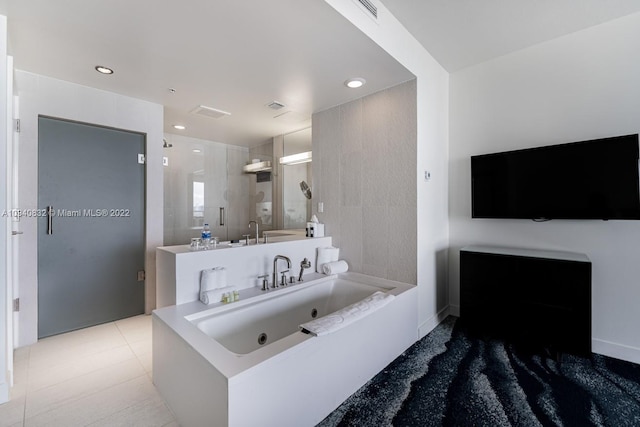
pixel 215 295
pixel 325 255
pixel 335 267
pixel 212 279
pixel 341 318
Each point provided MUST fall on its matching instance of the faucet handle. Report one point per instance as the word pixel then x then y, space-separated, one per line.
pixel 283 280
pixel 265 282
pixel 246 238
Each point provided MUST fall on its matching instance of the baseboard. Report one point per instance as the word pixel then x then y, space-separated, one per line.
pixel 618 351
pixel 433 321
pixel 4 393
pixel 454 310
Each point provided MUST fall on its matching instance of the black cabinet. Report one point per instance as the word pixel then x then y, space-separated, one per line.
pixel 540 299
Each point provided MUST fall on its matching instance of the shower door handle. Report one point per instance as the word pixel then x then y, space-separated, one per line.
pixel 49 220
pixel 222 216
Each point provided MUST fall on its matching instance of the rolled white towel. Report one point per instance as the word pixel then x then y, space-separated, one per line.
pixel 215 295
pixel 213 278
pixel 221 280
pixel 325 255
pixel 335 267
pixel 341 318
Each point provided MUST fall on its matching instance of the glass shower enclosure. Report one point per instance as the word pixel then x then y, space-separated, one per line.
pixel 204 183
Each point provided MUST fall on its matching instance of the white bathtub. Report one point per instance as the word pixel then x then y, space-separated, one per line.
pixel 247 363
pixel 256 325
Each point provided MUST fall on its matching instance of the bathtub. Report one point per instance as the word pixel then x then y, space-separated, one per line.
pixel 247 363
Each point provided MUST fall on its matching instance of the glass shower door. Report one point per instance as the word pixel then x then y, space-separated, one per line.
pixel 195 187
pixel 204 183
pixel 215 190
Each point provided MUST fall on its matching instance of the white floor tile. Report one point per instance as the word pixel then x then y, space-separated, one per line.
pixel 12 412
pixel 136 328
pixel 152 413
pixel 97 406
pixel 21 354
pixel 142 347
pixel 97 376
pixel 42 377
pixel 50 398
pixel 48 354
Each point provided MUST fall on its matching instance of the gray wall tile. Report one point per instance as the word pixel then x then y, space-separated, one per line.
pixel 364 163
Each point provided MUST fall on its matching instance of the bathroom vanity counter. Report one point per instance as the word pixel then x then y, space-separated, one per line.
pixel 284 235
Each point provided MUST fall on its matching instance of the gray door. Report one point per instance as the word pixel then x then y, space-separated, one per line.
pixel 92 245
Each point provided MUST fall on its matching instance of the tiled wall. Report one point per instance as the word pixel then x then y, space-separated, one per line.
pixel 364 173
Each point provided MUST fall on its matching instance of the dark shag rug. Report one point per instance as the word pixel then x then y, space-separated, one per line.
pixel 450 379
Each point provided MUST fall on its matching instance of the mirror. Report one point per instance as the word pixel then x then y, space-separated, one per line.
pixel 227 186
pixel 296 179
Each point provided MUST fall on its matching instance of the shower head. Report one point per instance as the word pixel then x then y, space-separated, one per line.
pixel 305 189
pixel 165 144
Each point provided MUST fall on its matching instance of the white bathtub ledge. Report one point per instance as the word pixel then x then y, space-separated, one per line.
pixel 393 287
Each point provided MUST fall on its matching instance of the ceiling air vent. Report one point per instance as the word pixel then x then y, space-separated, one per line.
pixel 371 8
pixel 211 112
pixel 275 105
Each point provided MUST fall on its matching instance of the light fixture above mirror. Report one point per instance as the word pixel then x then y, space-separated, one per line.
pixel 296 159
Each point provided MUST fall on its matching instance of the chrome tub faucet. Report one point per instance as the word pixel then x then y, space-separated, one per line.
pixel 274 283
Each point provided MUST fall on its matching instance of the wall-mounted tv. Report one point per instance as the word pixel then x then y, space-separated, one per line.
pixel 595 179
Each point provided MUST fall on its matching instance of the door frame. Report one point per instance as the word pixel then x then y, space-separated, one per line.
pixel 6 291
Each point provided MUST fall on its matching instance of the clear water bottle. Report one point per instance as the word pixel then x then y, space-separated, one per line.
pixel 206 236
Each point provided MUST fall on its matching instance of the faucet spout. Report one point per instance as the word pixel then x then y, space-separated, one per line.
pixel 257 232
pixel 274 283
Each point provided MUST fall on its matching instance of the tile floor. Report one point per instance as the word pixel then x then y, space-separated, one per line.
pixel 99 376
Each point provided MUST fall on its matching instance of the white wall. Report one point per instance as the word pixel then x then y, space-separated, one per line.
pixel 578 87
pixel 40 95
pixel 5 346
pixel 432 153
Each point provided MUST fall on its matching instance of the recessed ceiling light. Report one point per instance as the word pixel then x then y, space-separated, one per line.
pixel 355 82
pixel 104 70
pixel 197 150
pixel 179 127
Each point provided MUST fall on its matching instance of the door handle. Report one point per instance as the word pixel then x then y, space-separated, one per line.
pixel 222 216
pixel 15 233
pixel 49 220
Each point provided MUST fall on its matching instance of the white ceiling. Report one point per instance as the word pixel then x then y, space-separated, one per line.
pixel 238 56
pixel 461 33
pixel 235 56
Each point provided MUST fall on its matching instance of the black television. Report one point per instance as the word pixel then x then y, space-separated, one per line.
pixel 596 179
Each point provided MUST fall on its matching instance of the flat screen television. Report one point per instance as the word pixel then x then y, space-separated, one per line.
pixel 595 179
